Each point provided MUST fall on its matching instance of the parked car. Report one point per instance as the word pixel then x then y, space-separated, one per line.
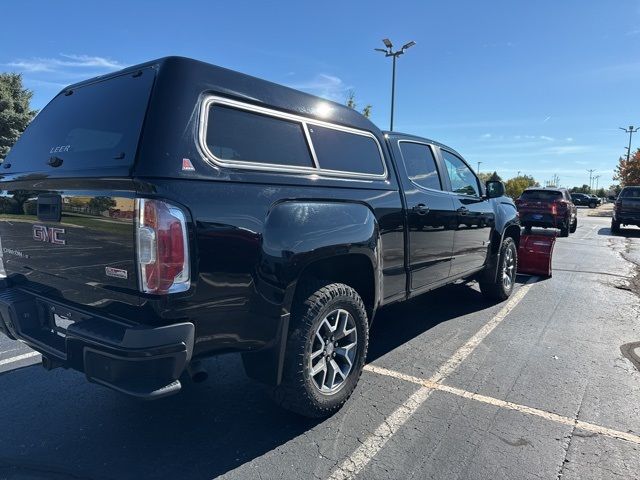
pixel 582 199
pixel 251 218
pixel 626 209
pixel 548 208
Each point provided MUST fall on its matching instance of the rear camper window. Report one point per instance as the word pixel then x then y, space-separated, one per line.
pixel 346 151
pixel 97 125
pixel 630 192
pixel 239 135
pixel 244 136
pixel 541 195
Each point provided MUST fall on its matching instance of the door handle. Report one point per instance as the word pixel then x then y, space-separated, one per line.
pixel 420 209
pixel 463 210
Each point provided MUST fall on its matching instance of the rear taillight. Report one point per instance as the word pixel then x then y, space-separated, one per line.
pixel 554 208
pixel 162 247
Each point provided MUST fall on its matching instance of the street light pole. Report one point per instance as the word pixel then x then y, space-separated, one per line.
pixel 630 131
pixel 478 171
pixel 591 177
pixel 388 52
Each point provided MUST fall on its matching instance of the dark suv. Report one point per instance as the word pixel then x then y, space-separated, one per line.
pixel 177 210
pixel 626 209
pixel 582 199
pixel 548 208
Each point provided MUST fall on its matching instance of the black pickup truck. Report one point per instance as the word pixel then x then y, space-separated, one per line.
pixel 176 210
pixel 626 209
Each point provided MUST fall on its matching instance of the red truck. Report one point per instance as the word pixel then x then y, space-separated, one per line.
pixel 547 208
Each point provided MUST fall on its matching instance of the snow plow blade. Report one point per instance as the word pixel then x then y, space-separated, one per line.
pixel 534 254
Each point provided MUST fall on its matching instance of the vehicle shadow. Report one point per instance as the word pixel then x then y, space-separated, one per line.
pixel 399 323
pixel 629 232
pixel 56 425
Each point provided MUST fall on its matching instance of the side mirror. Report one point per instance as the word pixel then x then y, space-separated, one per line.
pixel 495 189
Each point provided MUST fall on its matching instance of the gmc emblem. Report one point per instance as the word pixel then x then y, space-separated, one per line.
pixel 48 234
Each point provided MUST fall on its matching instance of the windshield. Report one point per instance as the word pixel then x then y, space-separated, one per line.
pixel 541 195
pixel 94 126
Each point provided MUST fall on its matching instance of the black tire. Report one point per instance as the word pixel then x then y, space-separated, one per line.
pixel 564 229
pixel 574 226
pixel 298 391
pixel 592 205
pixel 492 284
pixel 615 226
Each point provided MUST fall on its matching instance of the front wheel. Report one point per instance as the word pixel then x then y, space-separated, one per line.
pixel 498 283
pixel 326 351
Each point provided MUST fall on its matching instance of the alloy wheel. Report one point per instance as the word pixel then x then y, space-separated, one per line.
pixel 509 270
pixel 333 351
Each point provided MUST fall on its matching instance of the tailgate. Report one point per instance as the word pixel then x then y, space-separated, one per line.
pixel 67 194
pixel 78 245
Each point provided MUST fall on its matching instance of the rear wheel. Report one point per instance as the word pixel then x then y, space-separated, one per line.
pixel 592 205
pixel 615 226
pixel 498 283
pixel 564 228
pixel 574 226
pixel 326 351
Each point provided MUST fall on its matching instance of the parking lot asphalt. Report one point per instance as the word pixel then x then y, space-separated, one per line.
pixel 455 387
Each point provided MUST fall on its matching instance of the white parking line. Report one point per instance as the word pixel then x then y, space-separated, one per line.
pixel 359 459
pixel 18 358
pixel 554 417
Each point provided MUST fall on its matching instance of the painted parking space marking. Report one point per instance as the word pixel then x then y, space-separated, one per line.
pixel 18 358
pixel 589 427
pixel 369 448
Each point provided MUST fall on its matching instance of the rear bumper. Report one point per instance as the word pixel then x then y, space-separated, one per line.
pixel 541 220
pixel 142 361
pixel 627 219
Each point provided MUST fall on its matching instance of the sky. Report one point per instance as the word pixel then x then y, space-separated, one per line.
pixel 539 88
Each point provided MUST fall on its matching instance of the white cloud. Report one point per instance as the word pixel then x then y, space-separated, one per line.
pixel 567 149
pixel 548 139
pixel 64 63
pixel 547 119
pixel 324 85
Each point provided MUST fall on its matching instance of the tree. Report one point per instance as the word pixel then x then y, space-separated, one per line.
pixel 101 204
pixel 628 171
pixel 351 103
pixel 516 185
pixel 15 111
pixel 582 189
pixel 495 177
pixel 484 176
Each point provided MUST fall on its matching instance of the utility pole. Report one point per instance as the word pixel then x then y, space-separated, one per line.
pixel 597 177
pixel 388 52
pixel 478 170
pixel 590 177
pixel 630 131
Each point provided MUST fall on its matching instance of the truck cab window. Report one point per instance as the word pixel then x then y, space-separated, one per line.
pixel 420 165
pixel 463 180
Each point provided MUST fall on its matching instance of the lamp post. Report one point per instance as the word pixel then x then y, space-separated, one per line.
pixel 630 131
pixel 478 171
pixel 388 52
